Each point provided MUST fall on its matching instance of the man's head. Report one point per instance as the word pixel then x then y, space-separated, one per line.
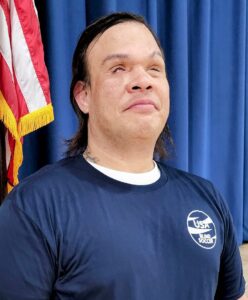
pixel 119 85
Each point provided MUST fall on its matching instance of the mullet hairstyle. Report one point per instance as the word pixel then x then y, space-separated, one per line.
pixel 78 143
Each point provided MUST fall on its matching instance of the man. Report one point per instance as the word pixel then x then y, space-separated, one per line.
pixel 109 222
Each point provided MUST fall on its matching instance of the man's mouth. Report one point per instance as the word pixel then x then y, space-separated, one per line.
pixel 142 105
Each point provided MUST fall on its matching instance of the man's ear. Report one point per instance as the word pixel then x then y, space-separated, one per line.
pixel 81 95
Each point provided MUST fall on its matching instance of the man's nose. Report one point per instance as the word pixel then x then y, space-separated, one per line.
pixel 140 81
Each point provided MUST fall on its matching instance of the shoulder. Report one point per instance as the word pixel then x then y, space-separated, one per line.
pixel 52 173
pixel 59 174
pixel 177 176
pixel 48 186
pixel 191 186
pixel 46 197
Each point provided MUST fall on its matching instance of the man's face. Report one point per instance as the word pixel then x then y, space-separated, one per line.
pixel 128 95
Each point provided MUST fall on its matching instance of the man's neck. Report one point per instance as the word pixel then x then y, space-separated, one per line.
pixel 131 158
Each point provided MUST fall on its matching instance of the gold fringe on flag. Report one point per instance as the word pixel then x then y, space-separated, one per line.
pixel 26 124
pixel 35 120
pixel 17 161
pixel 6 115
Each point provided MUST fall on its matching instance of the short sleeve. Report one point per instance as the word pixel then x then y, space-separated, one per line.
pixel 231 283
pixel 27 265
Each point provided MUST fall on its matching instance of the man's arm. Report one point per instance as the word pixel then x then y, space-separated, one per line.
pixel 26 260
pixel 231 282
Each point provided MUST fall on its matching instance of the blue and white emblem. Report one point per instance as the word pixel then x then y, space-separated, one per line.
pixel 202 229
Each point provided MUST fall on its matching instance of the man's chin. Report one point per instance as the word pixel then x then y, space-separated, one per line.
pixel 147 132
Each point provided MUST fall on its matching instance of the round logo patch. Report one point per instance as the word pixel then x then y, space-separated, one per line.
pixel 202 229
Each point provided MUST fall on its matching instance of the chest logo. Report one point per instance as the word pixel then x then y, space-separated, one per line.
pixel 202 229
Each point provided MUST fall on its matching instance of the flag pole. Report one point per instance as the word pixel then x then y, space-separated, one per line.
pixel 3 171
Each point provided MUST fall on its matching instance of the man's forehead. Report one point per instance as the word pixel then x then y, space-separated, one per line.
pixel 119 34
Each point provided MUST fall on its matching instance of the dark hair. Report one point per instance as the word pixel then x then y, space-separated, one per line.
pixel 78 143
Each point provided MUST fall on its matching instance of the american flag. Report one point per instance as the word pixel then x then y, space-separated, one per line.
pixel 25 102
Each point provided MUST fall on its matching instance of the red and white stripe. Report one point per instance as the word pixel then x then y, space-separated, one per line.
pixel 22 52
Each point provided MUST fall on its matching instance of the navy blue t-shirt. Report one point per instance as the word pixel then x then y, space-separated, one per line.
pixel 70 232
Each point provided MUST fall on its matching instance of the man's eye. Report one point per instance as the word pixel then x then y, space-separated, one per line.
pixel 118 69
pixel 156 69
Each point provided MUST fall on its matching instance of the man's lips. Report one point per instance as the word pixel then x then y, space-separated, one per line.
pixel 141 103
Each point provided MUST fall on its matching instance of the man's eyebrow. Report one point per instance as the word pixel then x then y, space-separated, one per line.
pixel 125 56
pixel 114 56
